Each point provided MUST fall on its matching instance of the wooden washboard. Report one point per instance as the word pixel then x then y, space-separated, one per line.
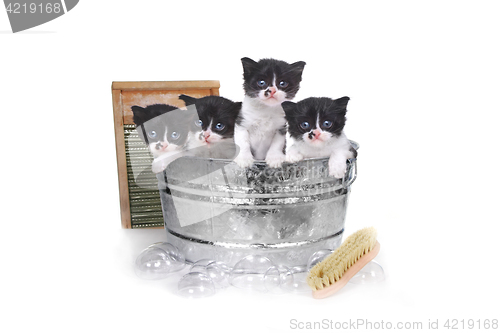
pixel 140 203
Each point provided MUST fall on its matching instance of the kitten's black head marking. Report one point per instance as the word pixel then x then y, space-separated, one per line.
pixel 159 121
pixel 261 75
pixel 218 112
pixel 304 116
pixel 141 115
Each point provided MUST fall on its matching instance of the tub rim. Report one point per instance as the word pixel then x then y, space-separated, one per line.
pixel 354 145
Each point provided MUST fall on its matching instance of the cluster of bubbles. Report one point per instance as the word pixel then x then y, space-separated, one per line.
pixel 253 272
pixel 259 273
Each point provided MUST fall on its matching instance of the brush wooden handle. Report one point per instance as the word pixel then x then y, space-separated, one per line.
pixel 353 270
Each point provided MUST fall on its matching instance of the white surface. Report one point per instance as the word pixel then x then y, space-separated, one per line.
pixel 424 86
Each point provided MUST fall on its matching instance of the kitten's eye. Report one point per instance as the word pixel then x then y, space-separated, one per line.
pixel 220 126
pixel 262 83
pixel 327 124
pixel 152 134
pixel 198 123
pixel 283 84
pixel 175 135
pixel 305 125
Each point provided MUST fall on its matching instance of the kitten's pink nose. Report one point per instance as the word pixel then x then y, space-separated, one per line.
pixel 272 90
pixel 316 133
pixel 161 146
pixel 206 135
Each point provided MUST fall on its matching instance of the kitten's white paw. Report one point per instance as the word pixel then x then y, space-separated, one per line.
pixel 244 161
pixel 293 157
pixel 158 166
pixel 337 168
pixel 275 160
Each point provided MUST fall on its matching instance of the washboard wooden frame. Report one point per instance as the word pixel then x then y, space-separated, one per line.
pixel 145 212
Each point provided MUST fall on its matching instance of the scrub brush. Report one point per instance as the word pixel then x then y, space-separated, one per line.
pixel 333 273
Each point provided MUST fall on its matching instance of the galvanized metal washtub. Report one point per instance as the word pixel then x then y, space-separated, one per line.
pixel 215 210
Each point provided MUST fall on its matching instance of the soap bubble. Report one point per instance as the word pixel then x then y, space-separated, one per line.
pixel 249 273
pixel 298 284
pixel 158 261
pixel 219 272
pixel 278 278
pixel 196 285
pixel 174 253
pixel 201 265
pixel 371 273
pixel 317 257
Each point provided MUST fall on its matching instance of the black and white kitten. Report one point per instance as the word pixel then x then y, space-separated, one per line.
pixel 260 129
pixel 316 129
pixel 213 128
pixel 165 129
pixel 216 119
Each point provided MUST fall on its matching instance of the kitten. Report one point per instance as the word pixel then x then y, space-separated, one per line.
pixel 214 125
pixel 315 129
pixel 165 129
pixel 260 129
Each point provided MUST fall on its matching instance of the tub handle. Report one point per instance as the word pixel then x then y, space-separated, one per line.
pixel 351 175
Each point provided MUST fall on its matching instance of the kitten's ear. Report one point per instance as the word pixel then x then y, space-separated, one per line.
pixel 247 62
pixel 188 99
pixel 236 107
pixel 137 108
pixel 248 65
pixel 289 107
pixel 341 103
pixel 139 114
pixel 298 66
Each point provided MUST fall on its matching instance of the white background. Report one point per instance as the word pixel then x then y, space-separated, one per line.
pixel 424 81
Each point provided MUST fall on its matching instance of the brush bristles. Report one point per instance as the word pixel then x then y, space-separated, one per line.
pixel 331 269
